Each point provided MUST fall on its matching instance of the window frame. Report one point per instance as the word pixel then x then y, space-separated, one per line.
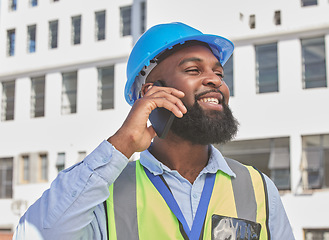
pixel 318 168
pixel 53 34
pixel 25 165
pixel 5 101
pixel 43 167
pixel 307 3
pixel 100 25
pixel 76 30
pixel 12 5
pixel 60 162
pixel 103 88
pixel 126 21
pixel 38 98
pixel 263 71
pixel 308 63
pixel 11 42
pixel 31 38
pixel 6 185
pixel 69 96
pixel 33 3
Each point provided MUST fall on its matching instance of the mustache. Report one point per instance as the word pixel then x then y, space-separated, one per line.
pixel 197 96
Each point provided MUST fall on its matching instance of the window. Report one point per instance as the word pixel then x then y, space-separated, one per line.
pixel 252 21
pixel 6 178
pixel 11 37
pixel 81 156
pixel 267 68
pixel 100 25
pixel 76 30
pixel 31 35
pixel 314 63
pixel 69 93
pixel 270 156
pixel 53 34
pixel 25 169
pixel 315 162
pixel 143 16
pixel 105 88
pixel 12 5
pixel 277 17
pixel 33 3
pixel 306 3
pixel 125 13
pixel 8 101
pixel 60 163
pixel 316 234
pixel 38 97
pixel 43 163
pixel 228 74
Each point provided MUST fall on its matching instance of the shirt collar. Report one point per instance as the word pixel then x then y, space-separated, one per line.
pixel 216 162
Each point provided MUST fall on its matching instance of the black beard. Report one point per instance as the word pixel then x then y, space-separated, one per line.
pixel 206 127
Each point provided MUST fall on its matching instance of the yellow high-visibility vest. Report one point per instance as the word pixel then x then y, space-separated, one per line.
pixel 136 210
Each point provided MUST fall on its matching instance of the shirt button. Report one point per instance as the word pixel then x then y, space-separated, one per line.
pixel 74 193
pixel 195 195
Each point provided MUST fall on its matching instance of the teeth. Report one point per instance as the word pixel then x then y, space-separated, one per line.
pixel 210 100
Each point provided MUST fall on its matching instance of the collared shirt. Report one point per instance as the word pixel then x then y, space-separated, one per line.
pixel 72 208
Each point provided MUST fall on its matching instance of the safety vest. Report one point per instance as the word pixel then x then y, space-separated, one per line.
pixel 237 209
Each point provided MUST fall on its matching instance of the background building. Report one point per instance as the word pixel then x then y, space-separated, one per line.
pixel 62 75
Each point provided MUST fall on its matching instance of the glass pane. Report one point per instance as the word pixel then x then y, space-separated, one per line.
pixel 267 68
pixel 38 97
pixel 11 36
pixel 53 30
pixel 31 38
pixel 309 2
pixel 126 21
pixel 76 30
pixel 106 88
pixel 314 63
pixel 228 75
pixel 100 25
pixel 69 94
pixel 8 100
pixel 281 178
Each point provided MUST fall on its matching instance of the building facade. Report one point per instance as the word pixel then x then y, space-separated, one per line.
pixel 62 75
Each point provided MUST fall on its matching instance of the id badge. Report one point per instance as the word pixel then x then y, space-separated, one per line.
pixel 227 228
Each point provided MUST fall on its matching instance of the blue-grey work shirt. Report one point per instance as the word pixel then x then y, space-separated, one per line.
pixel 73 206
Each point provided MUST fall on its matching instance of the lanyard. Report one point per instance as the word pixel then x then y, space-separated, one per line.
pixel 201 212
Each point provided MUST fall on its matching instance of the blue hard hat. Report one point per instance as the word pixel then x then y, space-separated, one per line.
pixel 161 37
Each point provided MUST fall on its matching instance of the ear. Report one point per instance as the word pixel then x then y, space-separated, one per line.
pixel 145 88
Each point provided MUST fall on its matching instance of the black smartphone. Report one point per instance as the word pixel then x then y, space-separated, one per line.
pixel 161 118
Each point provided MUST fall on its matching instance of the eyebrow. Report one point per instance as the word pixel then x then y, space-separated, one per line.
pixel 195 59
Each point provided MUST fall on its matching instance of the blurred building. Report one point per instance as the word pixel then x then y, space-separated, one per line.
pixel 62 75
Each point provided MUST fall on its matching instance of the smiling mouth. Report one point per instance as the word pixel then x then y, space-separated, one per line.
pixel 209 100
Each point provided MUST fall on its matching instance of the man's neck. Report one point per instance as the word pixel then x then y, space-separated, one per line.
pixel 181 155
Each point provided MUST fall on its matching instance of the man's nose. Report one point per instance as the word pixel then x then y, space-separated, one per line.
pixel 212 80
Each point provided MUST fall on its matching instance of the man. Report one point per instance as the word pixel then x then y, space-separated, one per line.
pixel 182 187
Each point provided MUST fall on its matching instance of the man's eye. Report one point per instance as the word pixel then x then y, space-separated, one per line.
pixel 194 70
pixel 220 75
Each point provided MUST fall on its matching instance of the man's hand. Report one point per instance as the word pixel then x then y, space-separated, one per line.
pixel 134 135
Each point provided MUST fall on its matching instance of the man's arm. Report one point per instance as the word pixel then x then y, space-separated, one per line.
pixel 278 221
pixel 70 209
pixel 66 210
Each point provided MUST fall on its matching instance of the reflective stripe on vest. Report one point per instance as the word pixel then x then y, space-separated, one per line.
pixel 136 210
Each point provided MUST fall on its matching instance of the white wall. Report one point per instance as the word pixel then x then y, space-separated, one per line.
pixel 292 112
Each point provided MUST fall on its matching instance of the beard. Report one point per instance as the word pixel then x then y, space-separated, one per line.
pixel 206 127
